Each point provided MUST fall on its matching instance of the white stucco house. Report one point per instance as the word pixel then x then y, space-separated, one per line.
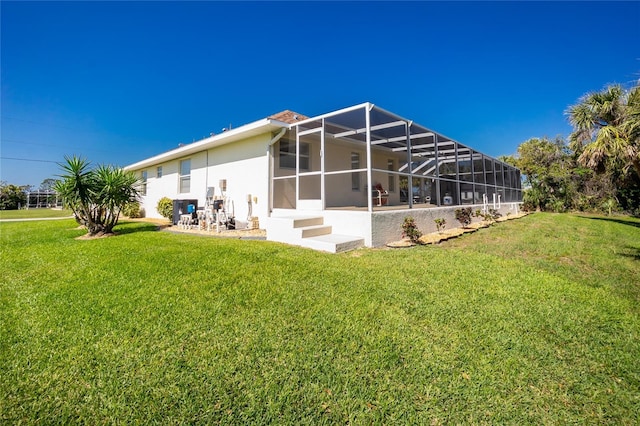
pixel 333 182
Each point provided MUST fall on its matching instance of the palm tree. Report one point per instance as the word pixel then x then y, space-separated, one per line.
pixel 607 128
pixel 97 196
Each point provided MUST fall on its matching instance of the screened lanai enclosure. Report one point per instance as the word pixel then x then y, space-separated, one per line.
pixel 366 158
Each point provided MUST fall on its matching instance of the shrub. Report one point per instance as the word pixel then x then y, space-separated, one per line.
pixel 440 223
pixel 610 206
pixel 410 229
pixel 132 210
pixel 557 206
pixel 165 207
pixel 463 216
pixel 494 214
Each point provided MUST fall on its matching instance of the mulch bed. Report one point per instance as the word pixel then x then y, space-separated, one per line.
pixel 437 237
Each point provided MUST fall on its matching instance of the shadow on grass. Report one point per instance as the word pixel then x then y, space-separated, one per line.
pixel 133 227
pixel 632 252
pixel 627 221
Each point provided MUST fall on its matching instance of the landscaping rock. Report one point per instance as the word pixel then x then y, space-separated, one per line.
pixel 401 244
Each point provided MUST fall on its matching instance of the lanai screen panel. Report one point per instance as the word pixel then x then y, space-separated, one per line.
pixel 284 175
pixel 345 133
pixel 413 164
pixel 390 158
pixel 423 151
pixel 465 165
pixel 345 158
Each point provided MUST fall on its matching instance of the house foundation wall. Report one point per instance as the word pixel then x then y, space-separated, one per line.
pixel 386 226
pixel 354 223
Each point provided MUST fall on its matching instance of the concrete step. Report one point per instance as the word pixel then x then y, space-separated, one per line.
pixel 314 231
pixel 302 222
pixel 310 232
pixel 287 228
pixel 332 243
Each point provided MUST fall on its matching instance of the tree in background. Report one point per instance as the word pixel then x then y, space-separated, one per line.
pixel 96 196
pixel 12 197
pixel 548 167
pixel 47 184
pixel 607 128
pixel 606 138
pixel 555 181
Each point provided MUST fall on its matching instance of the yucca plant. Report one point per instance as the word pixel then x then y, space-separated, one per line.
pixel 96 196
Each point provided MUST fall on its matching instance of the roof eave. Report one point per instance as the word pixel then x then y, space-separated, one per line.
pixel 252 129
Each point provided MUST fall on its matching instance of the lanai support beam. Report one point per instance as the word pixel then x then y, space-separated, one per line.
pixel 407 132
pixel 369 162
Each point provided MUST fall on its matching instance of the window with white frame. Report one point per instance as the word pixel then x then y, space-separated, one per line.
pixel 159 171
pixel 391 166
pixel 185 176
pixel 288 155
pixel 143 184
pixel 355 177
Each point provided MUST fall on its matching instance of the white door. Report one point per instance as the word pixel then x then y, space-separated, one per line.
pixel 310 187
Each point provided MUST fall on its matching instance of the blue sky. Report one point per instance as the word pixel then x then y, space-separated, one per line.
pixel 116 82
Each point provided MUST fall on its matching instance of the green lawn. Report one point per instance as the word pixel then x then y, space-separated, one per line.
pixel 34 213
pixel 532 321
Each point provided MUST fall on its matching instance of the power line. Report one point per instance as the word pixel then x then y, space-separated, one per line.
pixel 28 159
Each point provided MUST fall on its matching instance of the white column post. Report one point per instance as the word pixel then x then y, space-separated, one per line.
pixel 322 150
pixel 409 162
pixel 297 166
pixel 369 165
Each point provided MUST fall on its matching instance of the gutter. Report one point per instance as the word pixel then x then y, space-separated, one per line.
pixel 252 129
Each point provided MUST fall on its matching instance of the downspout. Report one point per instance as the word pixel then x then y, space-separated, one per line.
pixel 277 137
pixel 270 167
pixel 206 179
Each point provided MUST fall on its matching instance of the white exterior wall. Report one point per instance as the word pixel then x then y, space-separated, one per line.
pixel 166 186
pixel 244 164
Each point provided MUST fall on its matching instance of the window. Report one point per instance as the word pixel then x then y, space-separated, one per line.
pixel 392 179
pixel 185 176
pixel 355 177
pixel 143 186
pixel 288 155
pixel 159 171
